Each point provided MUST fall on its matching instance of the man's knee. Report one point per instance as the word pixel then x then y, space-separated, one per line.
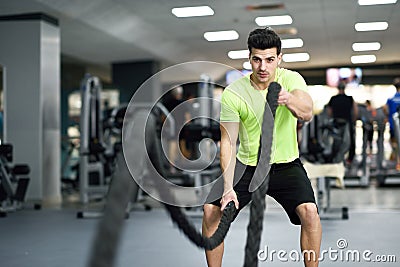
pixel 308 213
pixel 211 214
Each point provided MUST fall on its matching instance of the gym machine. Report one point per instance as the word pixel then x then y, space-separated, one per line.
pixel 323 145
pixel 14 181
pixel 203 131
pixel 101 156
pixel 70 165
pixel 388 175
pixel 96 159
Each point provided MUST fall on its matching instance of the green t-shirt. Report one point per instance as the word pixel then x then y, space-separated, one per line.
pixel 242 103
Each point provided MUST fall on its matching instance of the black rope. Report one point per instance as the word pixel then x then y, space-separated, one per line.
pixel 257 207
pixel 107 237
pixel 208 243
pixel 109 230
pixel 176 213
pixel 255 226
pixel 108 233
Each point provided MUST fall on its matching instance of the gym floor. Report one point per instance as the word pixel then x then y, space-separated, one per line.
pixel 55 237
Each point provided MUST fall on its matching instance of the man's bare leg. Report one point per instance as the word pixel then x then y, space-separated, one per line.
pixel 211 217
pixel 311 233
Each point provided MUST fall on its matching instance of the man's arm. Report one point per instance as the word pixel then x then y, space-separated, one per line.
pixel 298 102
pixel 229 135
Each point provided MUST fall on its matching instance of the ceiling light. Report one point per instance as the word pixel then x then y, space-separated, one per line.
pixel 372 46
pixel 238 54
pixel 287 31
pixel 363 59
pixel 247 65
pixel 375 2
pixel 296 57
pixel 194 11
pixel 221 36
pixel 371 26
pixel 274 20
pixel 292 43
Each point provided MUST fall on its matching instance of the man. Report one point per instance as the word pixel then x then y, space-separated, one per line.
pixel 390 108
pixel 342 106
pixel 242 108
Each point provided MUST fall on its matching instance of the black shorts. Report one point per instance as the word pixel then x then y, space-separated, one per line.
pixel 289 185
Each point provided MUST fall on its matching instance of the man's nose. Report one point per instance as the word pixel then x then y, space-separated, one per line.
pixel 263 65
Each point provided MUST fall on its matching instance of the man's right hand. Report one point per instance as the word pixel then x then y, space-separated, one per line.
pixel 228 197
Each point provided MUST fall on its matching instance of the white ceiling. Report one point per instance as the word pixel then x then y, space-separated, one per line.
pixel 105 31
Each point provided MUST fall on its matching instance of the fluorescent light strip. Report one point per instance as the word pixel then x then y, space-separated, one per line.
pixel 292 43
pixel 375 2
pixel 274 20
pixel 195 11
pixel 372 46
pixel 238 54
pixel 371 26
pixel 221 36
pixel 247 65
pixel 296 57
pixel 363 59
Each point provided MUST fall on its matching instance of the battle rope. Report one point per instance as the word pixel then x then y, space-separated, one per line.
pixel 199 240
pixel 176 213
pixel 258 204
pixel 255 226
pixel 106 241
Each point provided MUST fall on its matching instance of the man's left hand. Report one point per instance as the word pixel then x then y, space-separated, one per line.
pixel 284 97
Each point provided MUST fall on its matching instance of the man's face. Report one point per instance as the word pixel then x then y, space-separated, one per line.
pixel 264 64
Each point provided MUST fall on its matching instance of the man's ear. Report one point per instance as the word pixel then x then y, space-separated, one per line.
pixel 279 58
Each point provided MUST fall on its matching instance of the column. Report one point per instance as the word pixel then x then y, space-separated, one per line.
pixel 30 55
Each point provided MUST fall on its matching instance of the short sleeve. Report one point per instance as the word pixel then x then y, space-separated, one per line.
pixel 230 106
pixel 293 80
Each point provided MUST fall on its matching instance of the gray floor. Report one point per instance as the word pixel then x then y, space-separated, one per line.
pixel 54 237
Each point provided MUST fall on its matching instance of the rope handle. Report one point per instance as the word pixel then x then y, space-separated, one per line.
pixel 228 215
pixel 230 211
pixel 230 205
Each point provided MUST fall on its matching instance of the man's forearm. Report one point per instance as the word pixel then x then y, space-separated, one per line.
pixel 229 135
pixel 301 106
pixel 228 162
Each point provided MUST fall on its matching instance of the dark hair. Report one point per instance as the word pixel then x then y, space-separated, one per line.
pixel 341 85
pixel 263 39
pixel 396 83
